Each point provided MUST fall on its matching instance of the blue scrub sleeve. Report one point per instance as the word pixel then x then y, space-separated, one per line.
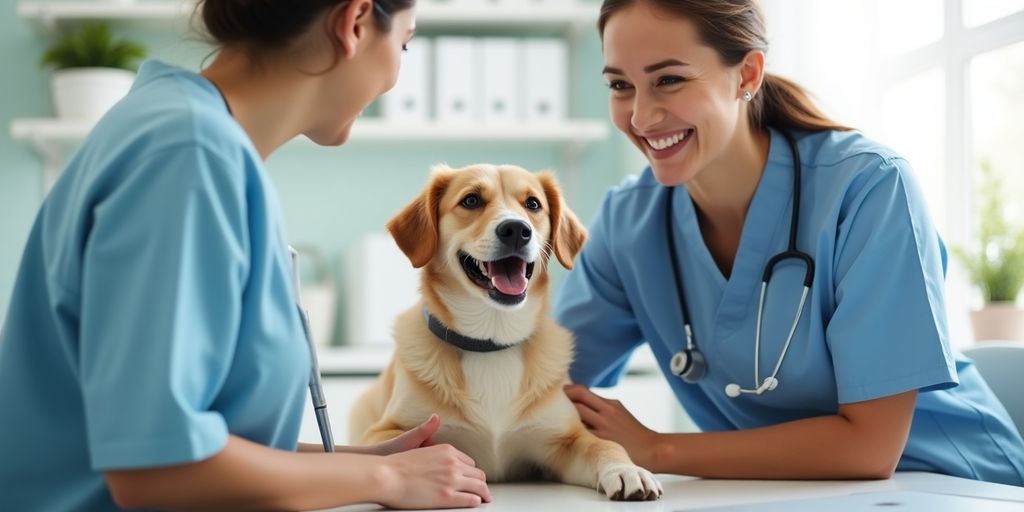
pixel 164 270
pixel 593 305
pixel 888 332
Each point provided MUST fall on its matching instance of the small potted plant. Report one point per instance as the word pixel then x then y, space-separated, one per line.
pixel 996 265
pixel 92 71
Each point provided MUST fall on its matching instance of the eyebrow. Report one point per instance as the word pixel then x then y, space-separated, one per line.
pixel 649 69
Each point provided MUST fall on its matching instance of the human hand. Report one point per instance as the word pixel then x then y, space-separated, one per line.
pixel 418 437
pixel 609 419
pixel 437 476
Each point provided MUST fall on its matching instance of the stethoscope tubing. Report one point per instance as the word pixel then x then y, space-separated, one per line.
pixel 690 372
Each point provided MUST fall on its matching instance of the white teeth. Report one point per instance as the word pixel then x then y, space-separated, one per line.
pixel 667 142
pixel 483 268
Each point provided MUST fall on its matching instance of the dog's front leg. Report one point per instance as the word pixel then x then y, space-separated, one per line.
pixel 581 458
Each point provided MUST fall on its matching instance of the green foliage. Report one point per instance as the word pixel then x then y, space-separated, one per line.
pixel 93 46
pixel 996 263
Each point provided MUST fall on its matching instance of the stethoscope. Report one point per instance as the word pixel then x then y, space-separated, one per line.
pixel 689 363
pixel 316 390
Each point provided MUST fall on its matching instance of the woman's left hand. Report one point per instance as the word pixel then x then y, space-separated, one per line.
pixel 418 437
pixel 609 419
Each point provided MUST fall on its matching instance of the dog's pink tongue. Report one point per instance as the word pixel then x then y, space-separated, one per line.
pixel 509 276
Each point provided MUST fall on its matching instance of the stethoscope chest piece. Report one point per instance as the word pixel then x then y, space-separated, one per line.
pixel 689 365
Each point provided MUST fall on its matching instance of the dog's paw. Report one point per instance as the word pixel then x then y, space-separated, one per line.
pixel 627 482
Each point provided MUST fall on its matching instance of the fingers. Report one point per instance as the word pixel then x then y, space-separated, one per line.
pixel 474 472
pixel 589 416
pixel 582 395
pixel 478 488
pixel 461 457
pixel 463 500
pixel 425 430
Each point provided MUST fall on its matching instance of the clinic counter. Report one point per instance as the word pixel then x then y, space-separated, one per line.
pixel 907 491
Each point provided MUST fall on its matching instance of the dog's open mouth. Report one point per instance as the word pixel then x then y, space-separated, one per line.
pixel 505 280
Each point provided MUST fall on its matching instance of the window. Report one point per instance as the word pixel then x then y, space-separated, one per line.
pixel 940 81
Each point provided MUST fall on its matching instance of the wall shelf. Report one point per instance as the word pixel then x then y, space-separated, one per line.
pixel 52 138
pixel 48 131
pixel 537 15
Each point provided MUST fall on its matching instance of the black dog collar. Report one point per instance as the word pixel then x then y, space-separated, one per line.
pixel 458 340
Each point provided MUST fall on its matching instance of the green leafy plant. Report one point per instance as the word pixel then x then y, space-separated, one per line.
pixel 93 46
pixel 996 263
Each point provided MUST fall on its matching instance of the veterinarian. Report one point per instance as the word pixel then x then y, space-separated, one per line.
pixel 152 355
pixel 841 366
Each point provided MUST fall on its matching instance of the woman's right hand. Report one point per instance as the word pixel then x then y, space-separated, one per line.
pixel 437 476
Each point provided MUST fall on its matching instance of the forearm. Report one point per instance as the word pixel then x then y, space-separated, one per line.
pixel 815 448
pixel 319 448
pixel 246 475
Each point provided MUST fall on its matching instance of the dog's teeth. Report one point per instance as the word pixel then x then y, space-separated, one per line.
pixel 483 268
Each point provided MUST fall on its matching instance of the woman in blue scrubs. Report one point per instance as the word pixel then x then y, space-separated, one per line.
pixel 152 355
pixel 868 383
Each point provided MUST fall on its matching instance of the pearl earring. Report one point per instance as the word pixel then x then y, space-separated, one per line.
pixel 747 96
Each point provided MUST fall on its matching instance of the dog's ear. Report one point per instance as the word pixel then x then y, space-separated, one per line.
pixel 415 228
pixel 567 232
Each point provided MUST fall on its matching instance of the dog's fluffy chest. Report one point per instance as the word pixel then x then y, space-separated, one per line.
pixel 493 380
pixel 493 438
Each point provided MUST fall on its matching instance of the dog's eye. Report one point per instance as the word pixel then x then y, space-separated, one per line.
pixel 532 204
pixel 471 201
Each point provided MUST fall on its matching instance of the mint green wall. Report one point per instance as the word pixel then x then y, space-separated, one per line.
pixel 331 196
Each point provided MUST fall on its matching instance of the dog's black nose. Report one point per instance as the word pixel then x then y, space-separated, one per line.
pixel 514 233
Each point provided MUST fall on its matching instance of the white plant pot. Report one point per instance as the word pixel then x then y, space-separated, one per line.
pixel 1002 321
pixel 88 93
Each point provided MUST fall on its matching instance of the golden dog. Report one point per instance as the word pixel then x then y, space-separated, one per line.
pixel 480 348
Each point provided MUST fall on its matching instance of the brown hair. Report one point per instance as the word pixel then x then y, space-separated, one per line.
pixel 267 24
pixel 733 28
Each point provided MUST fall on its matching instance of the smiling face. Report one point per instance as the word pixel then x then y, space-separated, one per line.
pixel 669 93
pixel 481 231
pixel 493 223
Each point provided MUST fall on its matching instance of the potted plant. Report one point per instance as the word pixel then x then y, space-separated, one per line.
pixel 995 265
pixel 92 71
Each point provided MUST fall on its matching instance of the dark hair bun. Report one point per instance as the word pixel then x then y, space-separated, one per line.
pixel 259 21
pixel 272 22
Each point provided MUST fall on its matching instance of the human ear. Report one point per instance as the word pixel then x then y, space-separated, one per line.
pixel 348 25
pixel 751 72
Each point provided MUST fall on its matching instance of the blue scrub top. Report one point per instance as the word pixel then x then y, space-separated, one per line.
pixel 874 324
pixel 152 313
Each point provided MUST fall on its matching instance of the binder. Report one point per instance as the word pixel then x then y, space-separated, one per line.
pixel 546 87
pixel 502 79
pixel 409 100
pixel 456 78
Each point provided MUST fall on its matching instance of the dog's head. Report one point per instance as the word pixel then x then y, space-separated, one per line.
pixel 487 227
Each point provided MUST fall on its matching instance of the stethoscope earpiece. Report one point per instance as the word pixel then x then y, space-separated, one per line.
pixel 768 384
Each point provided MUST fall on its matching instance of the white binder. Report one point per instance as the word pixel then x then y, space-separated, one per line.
pixel 546 86
pixel 456 80
pixel 502 79
pixel 409 100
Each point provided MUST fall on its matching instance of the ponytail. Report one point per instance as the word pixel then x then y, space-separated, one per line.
pixel 783 104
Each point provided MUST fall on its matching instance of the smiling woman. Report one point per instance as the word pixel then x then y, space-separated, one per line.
pixel 155 289
pixel 744 170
